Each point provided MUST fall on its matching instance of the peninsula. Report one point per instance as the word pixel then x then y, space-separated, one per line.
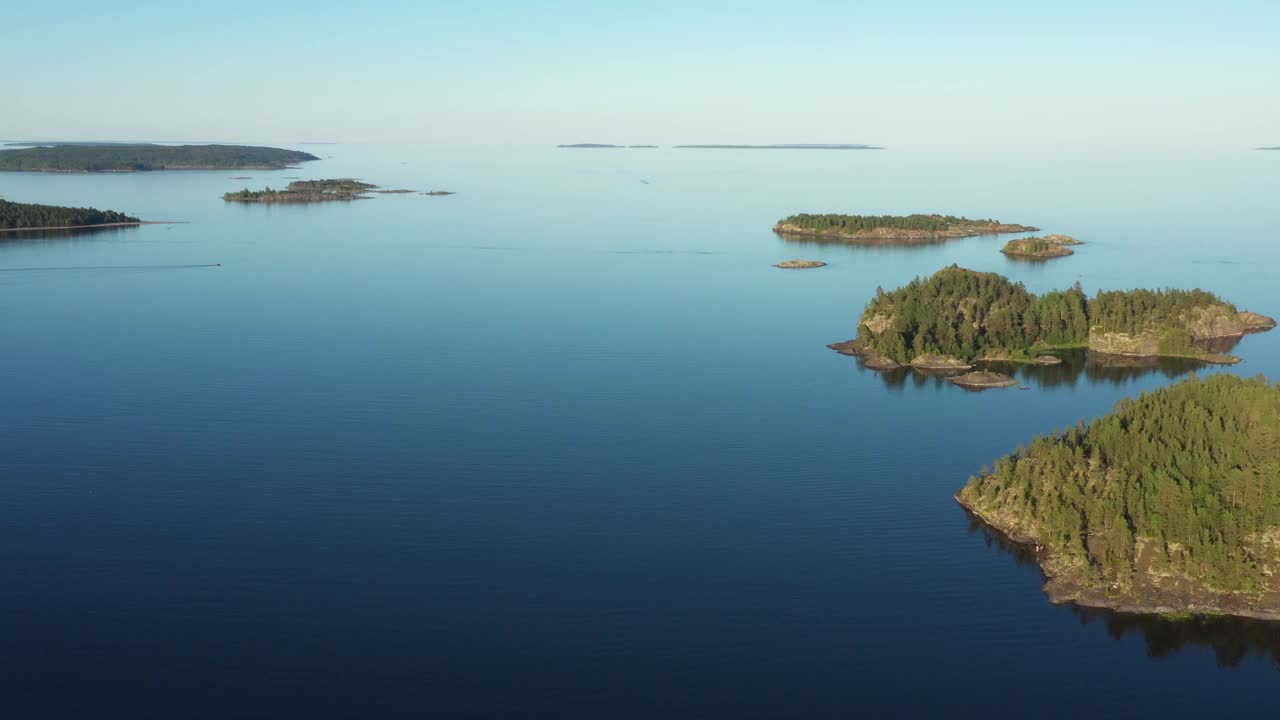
pixel 1040 248
pixel 1169 505
pixel 906 228
pixel 960 317
pixel 146 157
pixel 306 191
pixel 16 217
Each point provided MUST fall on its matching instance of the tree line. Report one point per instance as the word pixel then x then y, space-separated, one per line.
pixel 143 157
pixel 15 216
pixel 851 224
pixel 968 314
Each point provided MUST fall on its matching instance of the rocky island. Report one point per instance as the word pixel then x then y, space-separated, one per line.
pixel 905 229
pixel 1169 505
pixel 982 380
pixel 17 217
pixel 800 264
pixel 306 191
pixel 1040 248
pixel 147 157
pixel 957 318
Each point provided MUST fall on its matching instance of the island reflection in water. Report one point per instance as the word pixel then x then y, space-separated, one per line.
pixel 1232 639
pixel 32 237
pixel 1077 365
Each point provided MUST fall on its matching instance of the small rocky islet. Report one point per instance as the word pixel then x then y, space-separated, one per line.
pixel 800 264
pixel 1040 248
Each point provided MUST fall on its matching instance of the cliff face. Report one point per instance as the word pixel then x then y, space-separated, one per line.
pixel 1214 321
pixel 1253 322
pixel 1112 343
pixel 1202 323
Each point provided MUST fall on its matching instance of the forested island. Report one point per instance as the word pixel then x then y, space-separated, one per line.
pixel 1170 504
pixel 147 157
pixel 1040 248
pixel 862 228
pixel 958 317
pixel 30 216
pixel 306 191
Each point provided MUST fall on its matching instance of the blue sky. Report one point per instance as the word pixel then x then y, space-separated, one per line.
pixel 894 73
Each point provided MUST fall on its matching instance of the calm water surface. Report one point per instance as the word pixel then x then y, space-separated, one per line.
pixel 565 445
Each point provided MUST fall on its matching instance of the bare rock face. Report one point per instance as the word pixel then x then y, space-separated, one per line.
pixel 1112 343
pixel 870 358
pixel 1214 321
pixel 1253 322
pixel 933 361
pixel 877 322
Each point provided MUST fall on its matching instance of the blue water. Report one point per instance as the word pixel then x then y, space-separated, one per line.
pixel 566 445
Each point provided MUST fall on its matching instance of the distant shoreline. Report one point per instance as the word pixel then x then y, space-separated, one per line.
pixel 800 146
pixel 99 225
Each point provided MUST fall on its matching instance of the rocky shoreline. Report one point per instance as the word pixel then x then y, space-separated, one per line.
pixel 1162 595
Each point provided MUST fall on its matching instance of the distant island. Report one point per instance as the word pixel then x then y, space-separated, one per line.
pixel 110 157
pixel 1270 148
pixel 793 146
pixel 437 193
pixel 1040 248
pixel 1169 505
pixel 800 264
pixel 16 217
pixel 306 191
pixel 904 228
pixel 960 317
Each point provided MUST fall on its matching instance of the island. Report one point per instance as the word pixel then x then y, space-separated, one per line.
pixel 982 380
pixel 146 157
pixel 1040 248
pixel 904 228
pixel 800 264
pixel 1169 505
pixel 437 193
pixel 960 317
pixel 790 146
pixel 306 191
pixel 1270 148
pixel 16 217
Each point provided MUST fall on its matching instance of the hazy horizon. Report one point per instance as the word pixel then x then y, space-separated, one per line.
pixel 922 73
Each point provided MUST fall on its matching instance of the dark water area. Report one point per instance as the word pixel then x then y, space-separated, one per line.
pixel 566 444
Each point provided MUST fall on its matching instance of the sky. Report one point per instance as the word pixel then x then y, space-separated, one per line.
pixel 911 72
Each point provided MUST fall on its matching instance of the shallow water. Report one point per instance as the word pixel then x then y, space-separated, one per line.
pixel 565 444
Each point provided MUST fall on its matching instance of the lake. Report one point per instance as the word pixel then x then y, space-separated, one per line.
pixel 566 445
